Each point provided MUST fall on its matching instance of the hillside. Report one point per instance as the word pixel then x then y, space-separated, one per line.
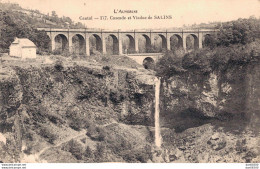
pixel 38 19
pixel 18 22
pixel 73 111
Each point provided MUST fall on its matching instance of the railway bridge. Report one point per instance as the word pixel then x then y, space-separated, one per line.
pixel 63 39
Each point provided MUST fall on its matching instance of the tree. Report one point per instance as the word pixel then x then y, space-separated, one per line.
pixel 210 41
pixel 241 31
pixel 53 14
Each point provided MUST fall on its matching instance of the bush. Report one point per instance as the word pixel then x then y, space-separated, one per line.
pixel 77 120
pixel 100 150
pixel 46 133
pixel 96 133
pixel 117 95
pixel 210 41
pixel 169 65
pixel 105 59
pixel 140 155
pixel 59 66
pixel 75 148
pixel 88 153
pixel 83 140
pixel 56 52
pixel 28 150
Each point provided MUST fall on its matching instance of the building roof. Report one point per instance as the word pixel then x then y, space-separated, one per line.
pixel 24 42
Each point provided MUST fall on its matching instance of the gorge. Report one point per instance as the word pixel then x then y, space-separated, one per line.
pixel 113 114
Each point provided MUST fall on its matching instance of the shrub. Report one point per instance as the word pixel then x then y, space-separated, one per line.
pixel 140 155
pixel 51 115
pixel 28 150
pixel 56 52
pixel 46 133
pixel 28 136
pixel 100 150
pixel 96 133
pixel 75 148
pixel 118 145
pixel 77 121
pixel 107 68
pixel 169 65
pixel 88 152
pixel 83 140
pixel 105 59
pixel 241 146
pixel 59 66
pixel 117 95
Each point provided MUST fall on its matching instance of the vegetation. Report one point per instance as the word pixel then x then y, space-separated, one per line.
pixel 77 97
pixel 39 19
pixel 96 133
pixel 46 133
pixel 13 25
pixel 75 148
pixel 18 22
pixel 237 42
pixel 241 31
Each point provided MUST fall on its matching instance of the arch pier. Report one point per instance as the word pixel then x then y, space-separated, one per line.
pixel 88 41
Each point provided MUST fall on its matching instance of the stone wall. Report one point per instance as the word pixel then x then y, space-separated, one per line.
pixel 219 95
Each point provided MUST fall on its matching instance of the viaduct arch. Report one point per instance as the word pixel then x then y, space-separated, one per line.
pixel 95 43
pixel 78 44
pixel 175 42
pixel 60 42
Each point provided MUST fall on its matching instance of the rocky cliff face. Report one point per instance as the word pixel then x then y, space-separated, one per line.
pixel 204 117
pixel 57 89
pixel 215 116
pixel 219 95
pixel 37 101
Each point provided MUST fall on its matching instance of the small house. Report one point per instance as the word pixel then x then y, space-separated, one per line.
pixel 23 48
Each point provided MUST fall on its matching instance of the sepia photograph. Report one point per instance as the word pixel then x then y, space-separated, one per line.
pixel 140 81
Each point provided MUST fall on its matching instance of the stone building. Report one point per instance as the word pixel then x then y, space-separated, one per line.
pixel 23 48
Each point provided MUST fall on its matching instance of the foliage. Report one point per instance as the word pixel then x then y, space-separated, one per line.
pixel 22 23
pixel 117 95
pixel 100 150
pixel 42 20
pixel 13 25
pixel 210 42
pixel 241 31
pixel 207 60
pixel 46 133
pixel 138 155
pixel 59 66
pixel 77 120
pixel 75 148
pixel 169 65
pixel 88 153
pixel 96 133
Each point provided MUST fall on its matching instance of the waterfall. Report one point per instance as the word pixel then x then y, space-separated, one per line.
pixel 158 139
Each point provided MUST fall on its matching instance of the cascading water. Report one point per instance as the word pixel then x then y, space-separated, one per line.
pixel 158 139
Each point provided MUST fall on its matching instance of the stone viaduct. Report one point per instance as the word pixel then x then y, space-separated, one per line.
pixel 66 38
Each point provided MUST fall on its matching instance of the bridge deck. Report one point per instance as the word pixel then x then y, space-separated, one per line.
pixel 127 31
pixel 144 54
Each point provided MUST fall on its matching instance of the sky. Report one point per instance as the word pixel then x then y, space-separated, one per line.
pixel 182 12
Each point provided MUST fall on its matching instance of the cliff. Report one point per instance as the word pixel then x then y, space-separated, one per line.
pixel 67 112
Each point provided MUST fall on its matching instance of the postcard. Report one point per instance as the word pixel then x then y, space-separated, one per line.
pixel 136 81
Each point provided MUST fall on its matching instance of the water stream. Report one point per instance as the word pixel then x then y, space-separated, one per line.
pixel 158 139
